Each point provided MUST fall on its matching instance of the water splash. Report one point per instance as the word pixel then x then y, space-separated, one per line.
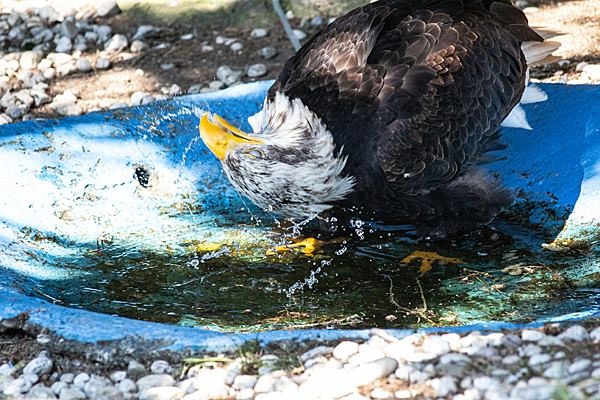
pixel 310 281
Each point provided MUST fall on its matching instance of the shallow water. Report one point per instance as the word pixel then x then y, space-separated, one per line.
pixel 238 284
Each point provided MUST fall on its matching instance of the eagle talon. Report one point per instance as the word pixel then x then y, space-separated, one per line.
pixel 426 260
pixel 306 246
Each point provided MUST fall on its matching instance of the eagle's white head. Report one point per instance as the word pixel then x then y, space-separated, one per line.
pixel 289 166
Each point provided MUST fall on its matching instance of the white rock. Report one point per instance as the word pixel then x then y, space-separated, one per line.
pixel 137 46
pixel 127 386
pixel 316 352
pixel 57 387
pixel 116 43
pixel 592 71
pixel 139 98
pixel 225 40
pixel 16 386
pixel 211 382
pixel 556 370
pixel 14 111
pixel 154 380
pixel 68 28
pixel 511 359
pixel 118 376
pixel 39 366
pixel 187 36
pixel 143 30
pixel 579 365
pixel 550 341
pixel 380 394
pixel 264 384
pixel 31 378
pixel 102 63
pixel 259 33
pixel 300 35
pixel 236 46
pixel 436 345
pixel 484 383
pixel 167 66
pixel 71 393
pixel 40 391
pixel 50 73
pixel 595 334
pixel 160 366
pixel 529 335
pixel 345 350
pixel 317 21
pixel 194 89
pixel 68 377
pixel 83 65
pixel 66 69
pixel 596 373
pixel 162 393
pixel 444 386
pixel 6 369
pixel 533 392
pixel 576 333
pixel 538 359
pixel 227 75
pixel 206 48
pixel 48 13
pixel 256 70
pixel 30 59
pixel 97 386
pixel 580 67
pixel 103 32
pixel 106 7
pixel 244 382
pixel 64 45
pixel 268 52
pixel 174 90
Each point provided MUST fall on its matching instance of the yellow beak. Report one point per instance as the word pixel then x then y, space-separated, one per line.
pixel 220 136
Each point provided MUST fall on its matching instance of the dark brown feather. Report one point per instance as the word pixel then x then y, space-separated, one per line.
pixel 414 92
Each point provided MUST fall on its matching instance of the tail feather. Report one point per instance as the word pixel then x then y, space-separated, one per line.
pixel 536 53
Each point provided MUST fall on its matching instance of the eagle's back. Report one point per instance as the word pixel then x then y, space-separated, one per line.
pixel 413 91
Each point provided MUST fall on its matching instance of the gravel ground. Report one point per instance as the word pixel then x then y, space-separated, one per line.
pixel 57 61
pixel 553 362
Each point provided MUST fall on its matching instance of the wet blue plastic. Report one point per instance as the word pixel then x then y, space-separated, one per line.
pixel 67 180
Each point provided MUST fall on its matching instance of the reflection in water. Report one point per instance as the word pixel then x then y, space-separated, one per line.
pixel 356 282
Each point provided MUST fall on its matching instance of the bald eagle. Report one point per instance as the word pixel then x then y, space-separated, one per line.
pixel 386 114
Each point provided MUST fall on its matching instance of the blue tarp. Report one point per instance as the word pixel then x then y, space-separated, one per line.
pixel 70 184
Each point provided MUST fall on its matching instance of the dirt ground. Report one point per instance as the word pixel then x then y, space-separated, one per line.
pixel 579 20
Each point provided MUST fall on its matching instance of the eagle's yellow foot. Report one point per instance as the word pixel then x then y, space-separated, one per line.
pixel 427 258
pixel 306 246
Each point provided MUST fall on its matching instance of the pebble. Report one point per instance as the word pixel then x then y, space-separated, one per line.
pixel 227 75
pixel 532 336
pixel 102 63
pixel 64 45
pixel 116 43
pixel 83 65
pixel 160 366
pixel 244 382
pixel 556 370
pixel 345 350
pixel 162 393
pixel 316 352
pixel 143 30
pixel 154 380
pixel 380 394
pixel 258 33
pixel 436 345
pixel 575 333
pixel 138 46
pixel 592 71
pixel 236 46
pixel 127 386
pixel 300 35
pixel 256 70
pixel 30 59
pixel 71 393
pixel 268 53
pixel 38 366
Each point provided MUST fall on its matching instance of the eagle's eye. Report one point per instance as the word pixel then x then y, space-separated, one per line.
pixel 254 154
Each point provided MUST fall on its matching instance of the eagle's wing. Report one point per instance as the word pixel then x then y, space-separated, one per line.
pixel 414 90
